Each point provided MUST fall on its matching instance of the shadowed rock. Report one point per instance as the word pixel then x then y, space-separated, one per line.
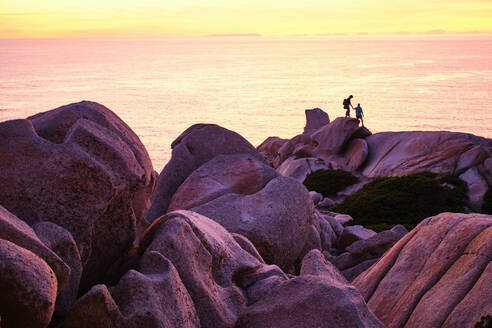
pixel 28 288
pixel 152 296
pixel 434 274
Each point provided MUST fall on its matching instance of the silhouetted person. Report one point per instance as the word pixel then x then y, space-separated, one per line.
pixel 347 105
pixel 359 113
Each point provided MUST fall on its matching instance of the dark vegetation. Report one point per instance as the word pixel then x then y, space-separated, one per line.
pixel 329 182
pixel 485 321
pixel 487 202
pixel 387 201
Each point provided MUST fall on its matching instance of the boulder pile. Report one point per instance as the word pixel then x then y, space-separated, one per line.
pixel 225 239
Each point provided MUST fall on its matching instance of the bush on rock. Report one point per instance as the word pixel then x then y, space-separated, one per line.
pixel 406 200
pixel 329 182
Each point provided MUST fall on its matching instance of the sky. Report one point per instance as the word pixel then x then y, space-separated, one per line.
pixel 196 18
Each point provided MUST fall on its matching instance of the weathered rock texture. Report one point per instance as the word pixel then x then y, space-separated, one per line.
pixel 248 197
pixel 81 167
pixel 438 275
pixel 28 288
pixel 310 301
pixel 152 296
pixel 209 262
pixel 195 146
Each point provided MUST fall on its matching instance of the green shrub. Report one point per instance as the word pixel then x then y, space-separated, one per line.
pixel 487 202
pixel 329 182
pixel 406 200
pixel 485 322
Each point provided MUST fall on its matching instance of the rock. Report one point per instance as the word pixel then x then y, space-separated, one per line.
pixel 208 261
pixel 326 203
pixel 247 197
pixel 376 245
pixel 315 196
pixel 62 243
pixel 263 287
pixel 327 234
pixel 292 146
pixel 343 219
pixel 309 301
pixel 352 234
pixel 315 119
pixel 224 174
pixel 195 146
pixel 331 138
pixel 153 296
pixel 300 168
pixel 403 153
pixel 313 242
pixel 247 245
pixel 29 288
pixel 315 263
pixel 270 148
pixel 477 187
pixel 82 168
pixel 433 274
pixel 361 133
pixel 18 232
pixel 354 156
pixel 351 273
pixel 276 219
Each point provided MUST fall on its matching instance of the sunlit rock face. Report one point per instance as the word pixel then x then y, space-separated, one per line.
pixel 438 275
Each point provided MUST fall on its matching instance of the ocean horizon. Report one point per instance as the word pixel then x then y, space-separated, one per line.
pixel 256 86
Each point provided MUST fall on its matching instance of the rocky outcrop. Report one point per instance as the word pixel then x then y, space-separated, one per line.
pixel 315 119
pixel 152 296
pixel 82 168
pixel 194 147
pixel 403 153
pixel 310 301
pixel 438 275
pixel 352 234
pixel 300 168
pixel 248 197
pixel 270 148
pixel 29 288
pixel 208 261
pixel 331 138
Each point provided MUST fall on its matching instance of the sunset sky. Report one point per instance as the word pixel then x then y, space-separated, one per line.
pixel 194 18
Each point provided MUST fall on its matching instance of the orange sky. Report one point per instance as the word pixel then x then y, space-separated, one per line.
pixel 193 18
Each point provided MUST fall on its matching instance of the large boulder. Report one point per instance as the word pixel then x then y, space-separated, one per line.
pixel 225 174
pixel 300 145
pixel 315 119
pixel 442 152
pixel 28 286
pixel 438 275
pixel 82 168
pixel 270 147
pixel 195 146
pixel 310 301
pixel 18 232
pixel 152 296
pixel 248 197
pixel 208 260
pixel 331 138
pixel 300 168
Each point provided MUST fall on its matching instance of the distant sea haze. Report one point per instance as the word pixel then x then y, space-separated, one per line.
pixel 256 86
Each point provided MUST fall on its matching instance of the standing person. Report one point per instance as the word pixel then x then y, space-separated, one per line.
pixel 347 105
pixel 359 113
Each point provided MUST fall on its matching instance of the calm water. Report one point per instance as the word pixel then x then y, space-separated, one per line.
pixel 258 87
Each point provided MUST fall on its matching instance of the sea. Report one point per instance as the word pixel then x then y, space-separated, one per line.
pixel 256 86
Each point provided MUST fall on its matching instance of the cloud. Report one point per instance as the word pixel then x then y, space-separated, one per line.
pixel 233 35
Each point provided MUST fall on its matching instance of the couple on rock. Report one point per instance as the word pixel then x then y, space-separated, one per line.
pixel 358 110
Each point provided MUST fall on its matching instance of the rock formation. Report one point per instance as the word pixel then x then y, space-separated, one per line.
pixel 438 275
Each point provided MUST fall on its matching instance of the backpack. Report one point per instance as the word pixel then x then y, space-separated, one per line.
pixel 345 102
